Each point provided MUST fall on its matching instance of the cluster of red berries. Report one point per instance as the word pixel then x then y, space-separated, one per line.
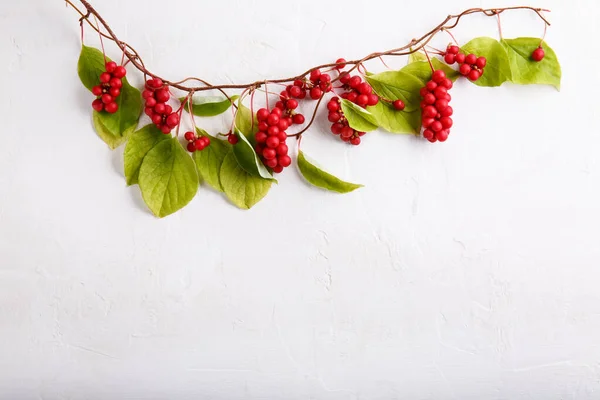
pixel 471 66
pixel 357 91
pixel 340 124
pixel 320 83
pixel 156 96
pixel 196 143
pixel 109 88
pixel 436 111
pixel 288 107
pixel 271 137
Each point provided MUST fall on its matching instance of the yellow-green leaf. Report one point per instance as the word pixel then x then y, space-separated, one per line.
pixel 525 71
pixel 140 143
pixel 394 85
pixel 111 140
pixel 209 106
pixel 422 70
pixel 210 160
pixel 358 118
pixel 244 190
pixel 90 65
pixel 322 179
pixel 396 121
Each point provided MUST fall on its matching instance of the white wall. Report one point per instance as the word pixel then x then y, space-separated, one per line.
pixel 466 270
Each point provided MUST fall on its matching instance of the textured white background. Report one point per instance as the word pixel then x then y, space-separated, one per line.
pixel 467 270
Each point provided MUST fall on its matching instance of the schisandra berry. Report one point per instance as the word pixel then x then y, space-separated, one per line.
pixel 436 112
pixel 399 105
pixel 341 64
pixel 231 138
pixel 111 107
pixel 340 124
pixel 271 136
pixel 109 88
pixel 156 96
pixel 189 136
pixel 538 54
pixel 357 91
pixel 470 66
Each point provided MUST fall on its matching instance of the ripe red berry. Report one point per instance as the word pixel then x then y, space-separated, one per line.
pixel 441 104
pixel 114 92
pixel 155 83
pixel 172 120
pixel 292 104
pixel 355 81
pixel 168 109
pixel 191 147
pixel 345 78
pixel 362 100
pixel 373 99
pixel 97 90
pixel 165 129
pixel 146 94
pixel 365 88
pixel 442 135
pixel 399 105
pixel 336 129
pixel 282 136
pixel 272 141
pixel 446 122
pixel 111 107
pixel 284 161
pixel 271 163
pixel 162 95
pixel 110 67
pixel 429 111
pixel 440 92
pixel 263 126
pixel 474 75
pixel 471 59
pixel 272 119
pixel 465 69
pixel 333 105
pixel 283 124
pixel 315 74
pixel 282 149
pixel 150 102
pixel 538 54
pixel 233 139
pixel 278 110
pixel 427 121
pixel 460 58
pixel 298 119
pixel 355 141
pixel 156 119
pixel 277 169
pixel 262 114
pixel 352 96
pixel 481 62
pixel 341 63
pixel 334 116
pixel 116 83
pixel 429 98
pixel 450 58
pixel 438 76
pixel 98 105
pixel 107 98
pixel 346 132
pixel 119 72
pixel 436 126
pixel 316 93
pixel 447 83
pixel 446 112
pixel 273 130
pixel 199 144
pixel 453 50
pixel 261 137
pixel 189 136
pixel 105 77
pixel 269 153
pixel 295 91
pixel 428 134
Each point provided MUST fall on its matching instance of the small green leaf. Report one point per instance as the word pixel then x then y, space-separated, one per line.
pixel 525 71
pixel 90 65
pixel 393 85
pixel 243 121
pixel 358 118
pixel 248 159
pixel 396 121
pixel 497 70
pixel 322 179
pixel 244 190
pixel 140 143
pixel 112 141
pixel 210 160
pixel 416 57
pixel 422 70
pixel 168 178
pixel 127 116
pixel 209 106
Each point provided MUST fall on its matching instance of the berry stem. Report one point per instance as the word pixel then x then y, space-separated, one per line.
pixel 428 59
pixel 500 26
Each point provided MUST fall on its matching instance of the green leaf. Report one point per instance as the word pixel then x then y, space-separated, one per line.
pixel 244 190
pixel 210 160
pixel 111 140
pixel 497 70
pixel 90 65
pixel 525 71
pixel 168 178
pixel 322 179
pixel 396 121
pixel 416 57
pixel 358 118
pixel 248 159
pixel 209 106
pixel 127 116
pixel 393 85
pixel 422 70
pixel 243 121
pixel 140 143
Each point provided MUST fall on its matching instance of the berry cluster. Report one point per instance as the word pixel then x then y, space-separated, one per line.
pixel 156 96
pixel 471 66
pixel 340 123
pixel 319 83
pixel 288 106
pixel 436 112
pixel 271 137
pixel 357 91
pixel 196 143
pixel 109 88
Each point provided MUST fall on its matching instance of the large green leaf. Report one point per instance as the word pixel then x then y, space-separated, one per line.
pixel 525 71
pixel 393 85
pixel 497 70
pixel 90 65
pixel 140 143
pixel 358 118
pixel 422 70
pixel 322 179
pixel 244 190
pixel 168 178
pixel 209 106
pixel 396 121
pixel 210 160
pixel 127 116
pixel 248 159
pixel 111 140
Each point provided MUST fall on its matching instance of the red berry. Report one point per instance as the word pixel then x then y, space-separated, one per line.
pixel 474 75
pixel 98 105
pixel 438 76
pixel 189 136
pixel 465 69
pixel 282 149
pixel 271 163
pixel 428 134
pixel 272 119
pixel 460 58
pixel 446 112
pixel 442 135
pixel 429 98
pixel 269 153
pixel 398 105
pixel 481 62
pixel 147 94
pixel 361 133
pixel 162 95
pixel 97 90
pixel 441 104
pixel 352 96
pixel 446 122
pixel 538 54
pixel 430 86
pixel 261 137
pixel 292 104
pixel 168 109
pixel 263 126
pixel 429 111
pixel 298 119
pixel 116 83
pixel 316 93
pixel 283 124
pixel 282 136
pixel 432 140
pixel 111 107
pixel 362 100
pixel 355 141
pixel 107 98
pixel 336 129
pixel 272 141
pixel 299 83
pixel 150 102
pixel 423 92
pixel 284 95
pixel 233 139
pixel 427 121
pixel 315 74
pixel 453 50
pixel 471 59
pixel 295 91
pixel 346 132
pixel 278 110
pixel 284 161
pixel 277 169
pixel 333 105
pixel 273 130
pixel 334 117
pixel 191 147
pixel 344 78
pixel 110 66
pixel 119 72
pixel 172 120
pixel 199 144
pixel 105 77
pixel 365 88
pixel 450 58
pixel 436 126
pixel 156 119
pixel 447 83
pixel 373 99
pixel 341 64
pixel 355 81
pixel 114 92
pixel 440 92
